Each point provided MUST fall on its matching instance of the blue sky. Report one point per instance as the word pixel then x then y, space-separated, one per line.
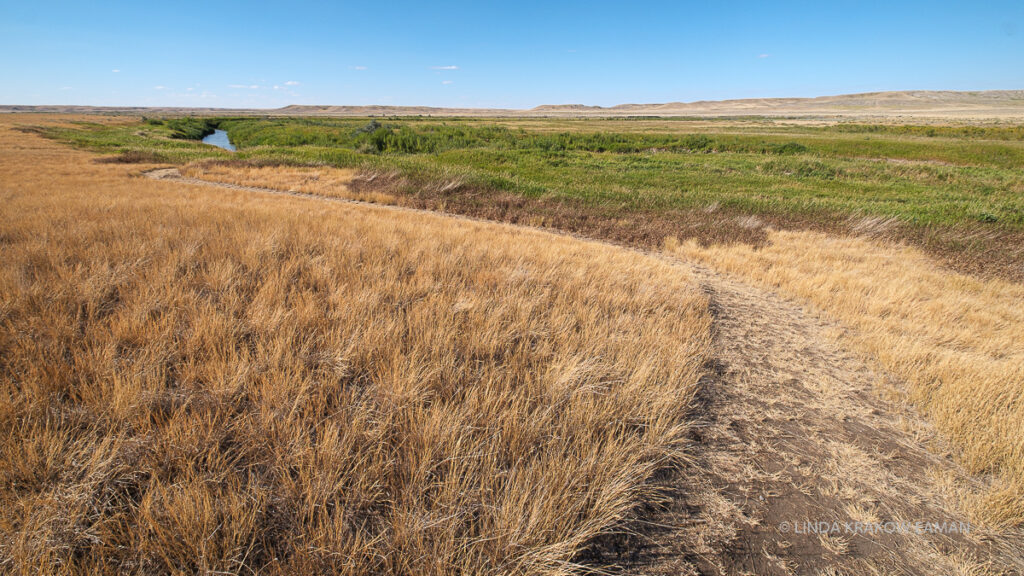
pixel 479 54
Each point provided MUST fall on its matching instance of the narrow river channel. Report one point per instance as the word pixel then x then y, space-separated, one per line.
pixel 220 139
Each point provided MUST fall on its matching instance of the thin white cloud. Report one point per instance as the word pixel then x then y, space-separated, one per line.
pixel 446 81
pixel 444 67
pixel 360 68
pixel 291 83
pixel 159 87
pixel 763 55
pixel 243 86
pixel 115 70
pixel 65 87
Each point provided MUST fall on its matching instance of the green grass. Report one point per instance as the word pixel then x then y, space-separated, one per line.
pixel 155 139
pixel 922 175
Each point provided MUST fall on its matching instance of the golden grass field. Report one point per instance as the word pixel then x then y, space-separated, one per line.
pixel 322 180
pixel 207 380
pixel 195 380
pixel 956 340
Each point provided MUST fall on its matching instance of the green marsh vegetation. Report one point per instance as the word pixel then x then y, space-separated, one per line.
pixel 950 188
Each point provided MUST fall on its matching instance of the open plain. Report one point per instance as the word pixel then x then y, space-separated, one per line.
pixel 514 345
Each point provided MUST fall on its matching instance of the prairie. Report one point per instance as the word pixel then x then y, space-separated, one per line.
pixel 199 381
pixel 906 237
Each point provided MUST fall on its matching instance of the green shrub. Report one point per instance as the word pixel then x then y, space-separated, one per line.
pixel 190 128
pixel 790 148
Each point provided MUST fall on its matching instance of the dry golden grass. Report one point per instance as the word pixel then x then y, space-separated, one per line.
pixel 957 340
pixel 321 180
pixel 213 381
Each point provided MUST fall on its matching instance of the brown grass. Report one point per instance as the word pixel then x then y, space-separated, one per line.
pixel 208 381
pixel 955 339
pixel 133 157
pixel 320 180
pixel 969 249
pixel 451 195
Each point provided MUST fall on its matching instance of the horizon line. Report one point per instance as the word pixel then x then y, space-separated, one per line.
pixel 568 104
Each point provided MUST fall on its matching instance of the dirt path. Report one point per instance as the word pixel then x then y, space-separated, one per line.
pixel 792 430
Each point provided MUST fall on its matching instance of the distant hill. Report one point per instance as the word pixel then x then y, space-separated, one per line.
pixel 994 104
pixel 997 103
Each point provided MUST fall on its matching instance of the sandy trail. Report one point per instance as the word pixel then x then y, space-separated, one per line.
pixel 791 430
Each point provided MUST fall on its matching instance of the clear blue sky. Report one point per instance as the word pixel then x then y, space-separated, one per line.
pixel 515 54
